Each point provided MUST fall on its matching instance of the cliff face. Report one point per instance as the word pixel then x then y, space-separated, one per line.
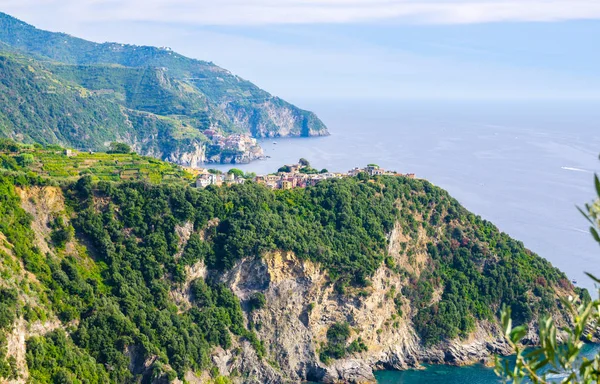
pixel 191 157
pixel 302 305
pixel 275 118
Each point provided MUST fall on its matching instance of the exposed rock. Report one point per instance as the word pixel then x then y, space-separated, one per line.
pixel 481 345
pixel 194 157
pixel 181 295
pixel 349 371
pixel 245 366
pixel 16 343
pixel 275 118
pixel 302 305
pixel 191 378
pixel 42 203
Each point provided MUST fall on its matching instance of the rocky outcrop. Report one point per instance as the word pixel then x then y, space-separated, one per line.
pixel 302 305
pixel 193 157
pixel 246 362
pixel 481 346
pixel 275 118
pixel 43 204
pixel 224 156
pixel 349 371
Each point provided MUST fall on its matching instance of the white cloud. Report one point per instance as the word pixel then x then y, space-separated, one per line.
pixel 264 12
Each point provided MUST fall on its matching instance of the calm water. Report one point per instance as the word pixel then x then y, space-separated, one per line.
pixel 476 374
pixel 523 166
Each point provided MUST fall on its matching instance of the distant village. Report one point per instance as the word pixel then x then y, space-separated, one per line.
pixel 239 142
pixel 236 148
pixel 299 175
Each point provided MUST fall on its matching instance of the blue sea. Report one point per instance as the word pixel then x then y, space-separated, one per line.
pixel 475 374
pixel 524 166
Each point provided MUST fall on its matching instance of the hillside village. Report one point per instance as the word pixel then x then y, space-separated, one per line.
pixel 235 148
pixel 298 175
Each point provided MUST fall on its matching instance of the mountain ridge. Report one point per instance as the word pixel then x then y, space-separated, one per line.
pixel 183 95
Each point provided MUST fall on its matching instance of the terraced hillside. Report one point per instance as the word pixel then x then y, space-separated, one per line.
pixel 152 98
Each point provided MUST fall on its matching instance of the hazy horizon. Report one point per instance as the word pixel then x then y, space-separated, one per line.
pixel 298 50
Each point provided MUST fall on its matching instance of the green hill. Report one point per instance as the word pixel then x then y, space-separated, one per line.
pixel 152 98
pixel 134 281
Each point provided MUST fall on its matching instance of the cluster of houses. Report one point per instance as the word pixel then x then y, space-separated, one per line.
pixel 238 142
pixel 293 177
pixel 206 178
pixel 376 170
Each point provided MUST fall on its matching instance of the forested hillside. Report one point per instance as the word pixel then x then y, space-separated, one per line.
pixel 152 98
pixel 125 281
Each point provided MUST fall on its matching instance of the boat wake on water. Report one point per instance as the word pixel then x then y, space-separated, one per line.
pixel 576 169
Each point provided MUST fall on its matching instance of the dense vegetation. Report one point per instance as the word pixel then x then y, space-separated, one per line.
pixel 54 358
pixel 120 303
pixel 57 89
pixel 118 317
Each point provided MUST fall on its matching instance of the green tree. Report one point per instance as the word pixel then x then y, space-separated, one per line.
pixel 363 176
pixel 303 162
pixel 236 172
pixel 116 147
pixel 556 355
pixel 8 145
pixel 25 159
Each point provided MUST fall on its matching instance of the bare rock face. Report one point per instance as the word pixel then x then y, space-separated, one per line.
pixel 349 371
pixel 192 157
pixel 275 118
pixel 244 365
pixel 302 305
pixel 483 344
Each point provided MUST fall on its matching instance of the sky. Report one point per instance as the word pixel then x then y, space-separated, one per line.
pixel 360 49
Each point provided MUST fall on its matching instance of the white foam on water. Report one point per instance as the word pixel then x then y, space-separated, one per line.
pixel 576 169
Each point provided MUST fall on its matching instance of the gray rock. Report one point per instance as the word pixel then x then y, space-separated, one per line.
pixel 349 371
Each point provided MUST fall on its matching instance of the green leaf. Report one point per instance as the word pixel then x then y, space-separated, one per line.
pixel 586 215
pixel 518 333
pixel 595 234
pixel 596 280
